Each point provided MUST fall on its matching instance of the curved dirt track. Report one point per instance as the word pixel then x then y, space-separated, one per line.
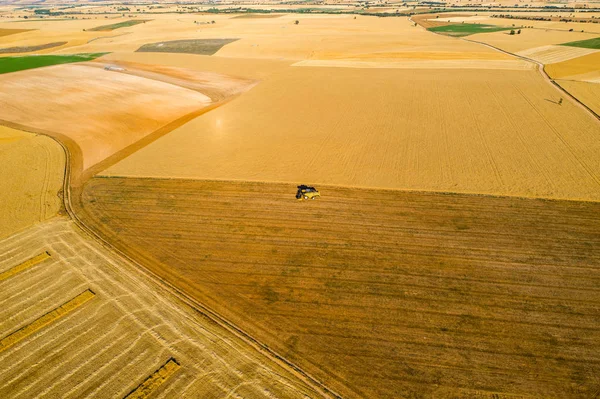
pixel 377 292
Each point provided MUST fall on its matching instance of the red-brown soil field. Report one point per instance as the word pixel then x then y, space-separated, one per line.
pixel 380 293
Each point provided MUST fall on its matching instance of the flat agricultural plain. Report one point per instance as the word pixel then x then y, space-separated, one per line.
pixel 379 292
pixel 494 132
pixel 454 252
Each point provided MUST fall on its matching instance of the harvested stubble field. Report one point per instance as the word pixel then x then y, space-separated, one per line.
pixel 495 132
pixel 77 322
pixel 380 293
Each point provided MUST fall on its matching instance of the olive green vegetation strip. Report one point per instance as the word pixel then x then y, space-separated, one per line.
pixel 466 29
pixel 192 46
pixel 24 266
pixel 156 379
pixel 46 319
pixel 118 25
pixel 21 63
pixel 590 43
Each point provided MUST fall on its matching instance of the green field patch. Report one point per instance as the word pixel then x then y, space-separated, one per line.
pixel 118 25
pixel 194 46
pixel 21 63
pixel 590 43
pixel 466 29
pixel 27 49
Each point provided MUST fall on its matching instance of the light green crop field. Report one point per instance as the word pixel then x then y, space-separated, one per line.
pixel 590 43
pixel 466 29
pixel 14 64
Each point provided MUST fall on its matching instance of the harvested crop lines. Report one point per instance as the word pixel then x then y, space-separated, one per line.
pixel 46 319
pixel 375 292
pixel 25 265
pixel 156 379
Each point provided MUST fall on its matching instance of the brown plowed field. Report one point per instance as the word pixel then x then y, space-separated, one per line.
pixel 380 293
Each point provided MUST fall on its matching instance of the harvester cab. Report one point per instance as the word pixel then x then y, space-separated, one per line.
pixel 306 192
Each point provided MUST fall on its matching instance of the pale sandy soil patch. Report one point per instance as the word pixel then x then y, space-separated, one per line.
pixel 553 54
pixel 495 132
pixel 31 175
pixel 586 92
pixel 101 111
pixel 214 85
pixel 128 328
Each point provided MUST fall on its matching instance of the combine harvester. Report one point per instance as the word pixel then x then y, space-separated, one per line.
pixel 306 192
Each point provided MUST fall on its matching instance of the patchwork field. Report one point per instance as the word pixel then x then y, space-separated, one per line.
pixel 495 132
pixel 31 172
pixel 454 251
pixel 380 293
pixel 78 322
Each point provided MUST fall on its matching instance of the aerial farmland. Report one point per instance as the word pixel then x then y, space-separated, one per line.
pixel 299 199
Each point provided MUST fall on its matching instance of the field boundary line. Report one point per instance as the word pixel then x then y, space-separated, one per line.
pixel 46 319
pixel 154 380
pixel 25 265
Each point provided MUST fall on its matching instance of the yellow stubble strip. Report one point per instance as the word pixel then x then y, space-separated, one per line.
pixel 45 320
pixel 156 379
pixel 24 266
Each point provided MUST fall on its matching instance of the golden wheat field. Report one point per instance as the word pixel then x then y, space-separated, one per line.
pixel 151 244
pixel 31 176
pixel 492 132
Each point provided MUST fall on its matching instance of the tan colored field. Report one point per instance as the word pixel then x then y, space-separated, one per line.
pixel 380 294
pixel 588 93
pixel 401 129
pixel 6 32
pixel 316 37
pixel 113 327
pixel 102 112
pixel 578 66
pixel 31 175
